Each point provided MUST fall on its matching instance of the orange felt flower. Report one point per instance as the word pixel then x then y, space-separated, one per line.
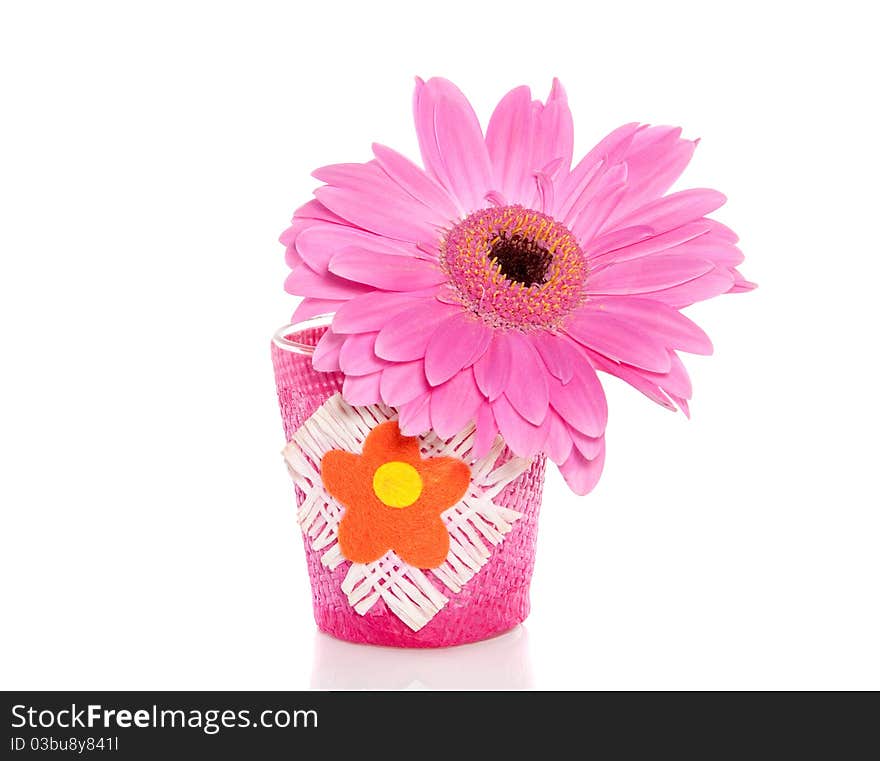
pixel 393 498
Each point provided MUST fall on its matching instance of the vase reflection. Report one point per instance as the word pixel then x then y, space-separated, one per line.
pixel 500 663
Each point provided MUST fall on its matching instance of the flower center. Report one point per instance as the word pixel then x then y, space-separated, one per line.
pixel 397 484
pixel 521 260
pixel 514 267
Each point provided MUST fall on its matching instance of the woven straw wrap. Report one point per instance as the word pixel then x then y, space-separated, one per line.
pixel 493 601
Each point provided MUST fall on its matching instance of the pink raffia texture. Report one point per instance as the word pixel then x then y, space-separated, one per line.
pixel 493 284
pixel 493 601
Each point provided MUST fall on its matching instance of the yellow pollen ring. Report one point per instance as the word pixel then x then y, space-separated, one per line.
pixel 397 484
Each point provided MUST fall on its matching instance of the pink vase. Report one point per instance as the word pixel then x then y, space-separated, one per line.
pixel 493 601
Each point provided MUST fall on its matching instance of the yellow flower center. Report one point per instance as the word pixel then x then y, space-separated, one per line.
pixel 397 484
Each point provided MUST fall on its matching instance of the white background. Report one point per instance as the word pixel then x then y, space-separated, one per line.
pixel 151 155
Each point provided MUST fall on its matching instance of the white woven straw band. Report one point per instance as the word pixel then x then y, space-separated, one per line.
pixel 477 523
pixel 281 340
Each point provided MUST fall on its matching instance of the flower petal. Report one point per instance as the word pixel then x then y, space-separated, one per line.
pixel 650 244
pixel 554 130
pixel 416 182
pixel 508 140
pixel 740 284
pixel 576 190
pixel 646 275
pixel 713 283
pixel 289 236
pixel 458 342
pixel 403 381
pixel 722 232
pixel 559 442
pixel 528 140
pixel 659 387
pixel 373 311
pixel 638 379
pixel 357 356
pixel 415 416
pixel 487 430
pixel 319 243
pixel 361 390
pixel 582 474
pixel 709 247
pixel 595 206
pixel 609 152
pixel 309 308
pixel 303 281
pixel 557 353
pixel 656 158
pixel 588 446
pixel 524 438
pixel 676 381
pixel 699 239
pixel 674 210
pixel 671 327
pixel 325 358
pixel 407 336
pixel 315 210
pixel 617 239
pixel 291 257
pixel 581 403
pixel 493 370
pixel 455 404
pixel 452 142
pixel 617 339
pixel 379 205
pixel 528 392
pixel 386 271
pixel 683 405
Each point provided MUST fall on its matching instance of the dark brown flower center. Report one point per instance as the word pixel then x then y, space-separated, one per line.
pixel 520 260
pixel 514 267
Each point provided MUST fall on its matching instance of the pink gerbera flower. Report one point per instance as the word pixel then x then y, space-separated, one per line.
pixel 491 285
